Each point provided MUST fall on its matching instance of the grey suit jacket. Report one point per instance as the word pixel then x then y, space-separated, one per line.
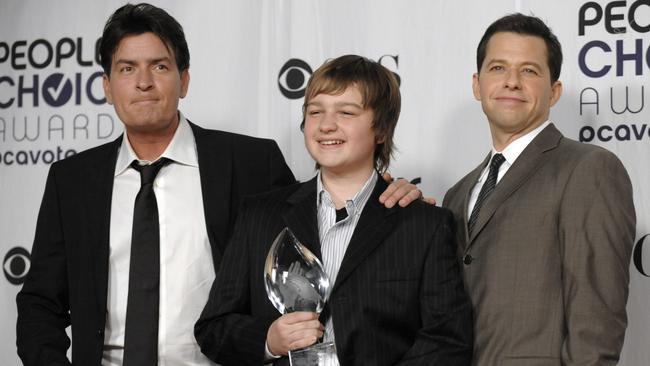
pixel 547 264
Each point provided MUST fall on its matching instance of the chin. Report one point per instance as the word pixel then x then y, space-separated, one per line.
pixel 332 167
pixel 327 165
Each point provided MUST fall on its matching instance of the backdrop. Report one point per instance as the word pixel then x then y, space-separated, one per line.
pixel 250 61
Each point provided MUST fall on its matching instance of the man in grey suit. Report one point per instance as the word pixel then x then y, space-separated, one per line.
pixel 545 224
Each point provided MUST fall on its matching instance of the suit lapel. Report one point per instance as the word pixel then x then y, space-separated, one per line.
pixel 300 216
pixel 215 169
pixel 99 193
pixel 375 223
pixel 526 164
pixel 466 191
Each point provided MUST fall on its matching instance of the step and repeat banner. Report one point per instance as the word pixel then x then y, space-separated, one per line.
pixel 250 61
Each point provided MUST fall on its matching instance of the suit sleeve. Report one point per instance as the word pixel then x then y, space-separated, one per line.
pixel 280 174
pixel 446 337
pixel 43 307
pixel 597 228
pixel 225 331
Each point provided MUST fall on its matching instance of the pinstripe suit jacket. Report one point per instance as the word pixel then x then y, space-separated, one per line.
pixel 547 263
pixel 398 298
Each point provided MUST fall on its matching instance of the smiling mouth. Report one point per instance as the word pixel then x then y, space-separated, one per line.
pixel 510 99
pixel 331 142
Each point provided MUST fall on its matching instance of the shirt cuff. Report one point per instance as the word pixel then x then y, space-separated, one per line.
pixel 268 356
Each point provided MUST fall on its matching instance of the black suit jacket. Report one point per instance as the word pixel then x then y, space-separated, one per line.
pixel 68 279
pixel 398 299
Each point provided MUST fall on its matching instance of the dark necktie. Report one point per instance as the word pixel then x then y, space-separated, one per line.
pixel 141 333
pixel 487 188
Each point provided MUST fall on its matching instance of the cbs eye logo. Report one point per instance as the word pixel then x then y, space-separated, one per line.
pixel 637 257
pixel 293 78
pixel 295 73
pixel 16 265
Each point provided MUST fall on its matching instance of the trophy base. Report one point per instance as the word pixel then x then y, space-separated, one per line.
pixel 319 354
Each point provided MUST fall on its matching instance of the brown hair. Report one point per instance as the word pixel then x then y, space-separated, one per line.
pixel 379 90
pixel 138 19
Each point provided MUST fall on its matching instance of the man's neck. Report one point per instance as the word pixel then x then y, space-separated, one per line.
pixel 149 145
pixel 501 139
pixel 343 187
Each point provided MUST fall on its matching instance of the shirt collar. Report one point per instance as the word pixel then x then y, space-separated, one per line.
pixel 355 205
pixel 181 149
pixel 515 148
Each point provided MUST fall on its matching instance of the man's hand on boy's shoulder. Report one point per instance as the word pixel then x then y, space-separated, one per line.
pixel 401 191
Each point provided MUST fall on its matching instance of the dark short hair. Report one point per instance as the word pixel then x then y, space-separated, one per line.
pixel 525 25
pixel 379 91
pixel 138 19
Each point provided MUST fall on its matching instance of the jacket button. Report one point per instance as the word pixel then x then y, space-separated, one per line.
pixel 467 259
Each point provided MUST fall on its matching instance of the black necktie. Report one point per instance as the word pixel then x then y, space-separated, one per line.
pixel 487 188
pixel 141 333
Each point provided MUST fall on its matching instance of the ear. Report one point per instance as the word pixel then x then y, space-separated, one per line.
pixel 476 88
pixel 556 92
pixel 106 84
pixel 185 82
pixel 380 137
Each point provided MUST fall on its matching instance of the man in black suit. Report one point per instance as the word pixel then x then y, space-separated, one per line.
pixel 92 266
pixel 397 296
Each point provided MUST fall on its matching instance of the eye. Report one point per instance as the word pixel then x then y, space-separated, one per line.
pixel 313 112
pixel 160 67
pixel 496 68
pixel 126 69
pixel 293 78
pixel 531 71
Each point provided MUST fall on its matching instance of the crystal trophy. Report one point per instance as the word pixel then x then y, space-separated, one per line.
pixel 295 281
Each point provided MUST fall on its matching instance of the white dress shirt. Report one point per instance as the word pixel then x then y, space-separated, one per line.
pixel 335 236
pixel 186 267
pixel 510 153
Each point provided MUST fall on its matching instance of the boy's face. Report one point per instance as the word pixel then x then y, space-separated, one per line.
pixel 339 134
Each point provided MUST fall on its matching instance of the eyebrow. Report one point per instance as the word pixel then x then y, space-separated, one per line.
pixel 339 104
pixel 502 61
pixel 149 61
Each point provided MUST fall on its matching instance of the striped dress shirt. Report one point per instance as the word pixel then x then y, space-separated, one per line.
pixel 335 236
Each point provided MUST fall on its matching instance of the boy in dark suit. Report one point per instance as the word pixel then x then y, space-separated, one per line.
pixel 397 296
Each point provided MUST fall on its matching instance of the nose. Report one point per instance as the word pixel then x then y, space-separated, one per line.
pixel 512 80
pixel 328 123
pixel 144 81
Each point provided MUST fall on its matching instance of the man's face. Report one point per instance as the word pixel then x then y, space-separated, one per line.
pixel 145 85
pixel 339 134
pixel 514 85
